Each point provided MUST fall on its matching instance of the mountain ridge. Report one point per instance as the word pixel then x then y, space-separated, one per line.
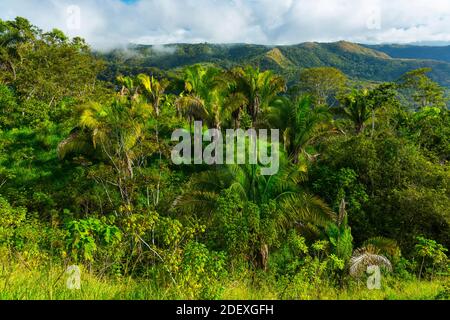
pixel 408 51
pixel 359 62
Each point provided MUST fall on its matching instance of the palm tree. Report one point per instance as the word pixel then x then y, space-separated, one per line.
pixel 300 124
pixel 295 205
pixel 373 252
pixel 203 97
pixel 129 88
pixel 192 102
pixel 357 108
pixel 365 257
pixel 154 92
pixel 113 129
pixel 114 133
pixel 258 88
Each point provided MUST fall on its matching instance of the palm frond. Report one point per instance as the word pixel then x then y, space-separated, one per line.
pixel 306 208
pixel 367 256
pixel 75 143
pixel 384 245
pixel 200 202
pixel 191 105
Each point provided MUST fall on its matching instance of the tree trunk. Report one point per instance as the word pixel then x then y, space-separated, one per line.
pixel 255 111
pixel 129 166
pixel 359 128
pixel 13 69
pixel 158 187
pixel 421 268
pixel 264 251
pixel 373 121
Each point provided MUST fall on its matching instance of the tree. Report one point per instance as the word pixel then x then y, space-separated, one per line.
pixel 300 124
pixel 383 96
pixel 374 252
pixel 293 204
pixel 203 97
pixel 114 133
pixel 357 108
pixel 46 66
pixel 429 129
pixel 258 88
pixel 154 92
pixel 365 257
pixel 15 39
pixel 323 84
pixel 431 251
pixel 424 91
pixel 400 192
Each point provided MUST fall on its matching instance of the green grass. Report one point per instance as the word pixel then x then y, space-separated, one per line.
pixel 20 282
pixel 409 290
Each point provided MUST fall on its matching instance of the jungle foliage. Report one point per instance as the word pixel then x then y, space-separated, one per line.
pixel 86 175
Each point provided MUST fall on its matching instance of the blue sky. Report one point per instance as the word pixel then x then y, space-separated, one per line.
pixel 111 23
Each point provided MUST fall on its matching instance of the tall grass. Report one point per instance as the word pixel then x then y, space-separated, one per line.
pixel 20 282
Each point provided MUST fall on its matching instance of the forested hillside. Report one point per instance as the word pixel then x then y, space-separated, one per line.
pixel 87 176
pixel 358 62
pixel 438 53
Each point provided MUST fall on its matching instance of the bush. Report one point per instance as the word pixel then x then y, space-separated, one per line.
pixel 201 272
pixel 92 237
pixel 23 234
pixel 432 257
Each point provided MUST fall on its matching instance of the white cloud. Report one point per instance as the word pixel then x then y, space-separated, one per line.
pixel 108 23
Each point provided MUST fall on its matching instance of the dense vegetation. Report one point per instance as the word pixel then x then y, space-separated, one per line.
pixel 440 53
pixel 86 178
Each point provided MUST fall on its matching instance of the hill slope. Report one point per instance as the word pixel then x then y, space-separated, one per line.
pixel 441 53
pixel 358 62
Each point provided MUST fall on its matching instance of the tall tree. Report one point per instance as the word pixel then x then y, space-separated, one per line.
pixel 424 91
pixel 154 93
pixel 203 96
pixel 15 37
pixel 357 108
pixel 46 66
pixel 114 133
pixel 258 88
pixel 300 124
pixel 323 84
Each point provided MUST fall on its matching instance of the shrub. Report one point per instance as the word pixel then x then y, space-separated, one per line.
pixel 201 272
pixel 432 256
pixel 86 237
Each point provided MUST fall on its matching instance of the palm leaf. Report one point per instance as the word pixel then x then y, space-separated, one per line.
pixel 75 143
pixel 367 256
pixel 384 245
pixel 306 208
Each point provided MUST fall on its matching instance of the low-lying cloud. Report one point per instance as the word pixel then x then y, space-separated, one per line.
pixel 112 23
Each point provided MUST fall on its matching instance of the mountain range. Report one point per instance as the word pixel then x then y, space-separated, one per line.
pixel 441 53
pixel 359 62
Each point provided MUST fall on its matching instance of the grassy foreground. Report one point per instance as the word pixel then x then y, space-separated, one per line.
pixel 21 282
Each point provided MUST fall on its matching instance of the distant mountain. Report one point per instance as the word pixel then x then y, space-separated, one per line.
pixel 441 53
pixel 357 61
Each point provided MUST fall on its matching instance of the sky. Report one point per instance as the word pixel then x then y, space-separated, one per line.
pixel 106 24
